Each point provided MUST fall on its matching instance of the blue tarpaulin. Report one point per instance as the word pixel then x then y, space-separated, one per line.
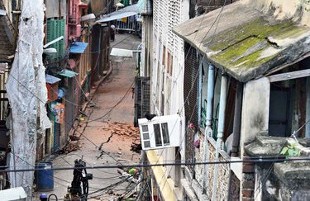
pixel 78 47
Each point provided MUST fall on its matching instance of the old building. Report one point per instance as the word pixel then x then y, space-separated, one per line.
pixel 239 86
pixel 162 61
pixel 252 84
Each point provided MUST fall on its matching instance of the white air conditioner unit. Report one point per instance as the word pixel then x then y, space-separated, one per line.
pixel 160 132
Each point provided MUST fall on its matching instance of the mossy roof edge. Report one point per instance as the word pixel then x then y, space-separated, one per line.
pixel 231 48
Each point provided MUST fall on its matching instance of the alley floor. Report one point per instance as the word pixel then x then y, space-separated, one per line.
pixel 105 132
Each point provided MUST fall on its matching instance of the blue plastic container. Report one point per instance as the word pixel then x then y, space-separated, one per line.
pixel 44 176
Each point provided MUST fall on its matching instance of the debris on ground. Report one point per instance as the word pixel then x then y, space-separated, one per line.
pixel 71 146
pixel 119 128
pixel 74 138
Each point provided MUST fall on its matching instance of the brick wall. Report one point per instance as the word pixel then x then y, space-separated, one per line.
pixel 248 181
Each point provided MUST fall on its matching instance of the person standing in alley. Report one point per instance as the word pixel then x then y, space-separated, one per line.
pixel 112 32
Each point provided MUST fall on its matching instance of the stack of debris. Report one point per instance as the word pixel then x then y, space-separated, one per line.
pixel 123 129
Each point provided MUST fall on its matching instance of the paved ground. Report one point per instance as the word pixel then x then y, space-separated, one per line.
pixel 109 127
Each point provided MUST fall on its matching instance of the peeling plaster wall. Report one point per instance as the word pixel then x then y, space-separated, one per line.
pixel 255 109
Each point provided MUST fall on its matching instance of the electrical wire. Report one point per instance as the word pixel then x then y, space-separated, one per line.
pixel 248 160
pixel 72 154
pixel 113 107
pixel 107 187
pixel 215 21
pixel 73 123
pixel 169 96
pixel 42 102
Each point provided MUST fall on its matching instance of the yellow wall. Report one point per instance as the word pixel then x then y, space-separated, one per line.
pixel 166 185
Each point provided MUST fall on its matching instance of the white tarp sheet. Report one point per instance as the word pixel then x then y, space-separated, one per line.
pixel 27 94
pixel 118 52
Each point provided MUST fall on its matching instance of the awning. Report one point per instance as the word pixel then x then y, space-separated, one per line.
pixel 51 79
pixel 78 47
pixel 67 73
pixel 121 13
pixel 245 42
pixel 116 16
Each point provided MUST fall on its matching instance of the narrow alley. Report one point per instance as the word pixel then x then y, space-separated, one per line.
pixel 154 100
pixel 105 132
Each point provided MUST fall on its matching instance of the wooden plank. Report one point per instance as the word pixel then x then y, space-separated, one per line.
pixel 289 75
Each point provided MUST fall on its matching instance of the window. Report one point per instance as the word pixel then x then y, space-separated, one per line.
pixel 146 136
pixel 163 62
pixel 169 63
pixel 160 132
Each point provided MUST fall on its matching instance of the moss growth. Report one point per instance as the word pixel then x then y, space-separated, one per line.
pixel 241 47
pixel 238 54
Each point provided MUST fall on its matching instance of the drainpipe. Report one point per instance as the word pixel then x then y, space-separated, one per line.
pixel 219 142
pixel 210 97
pixel 199 90
pixel 208 129
pixel 237 120
pixel 222 112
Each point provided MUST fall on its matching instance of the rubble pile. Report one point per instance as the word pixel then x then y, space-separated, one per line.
pixel 123 129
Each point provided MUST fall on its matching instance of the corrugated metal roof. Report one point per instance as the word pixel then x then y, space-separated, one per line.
pixel 78 47
pixel 245 42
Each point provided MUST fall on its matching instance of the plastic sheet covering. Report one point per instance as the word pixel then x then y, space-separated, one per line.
pixel 27 94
